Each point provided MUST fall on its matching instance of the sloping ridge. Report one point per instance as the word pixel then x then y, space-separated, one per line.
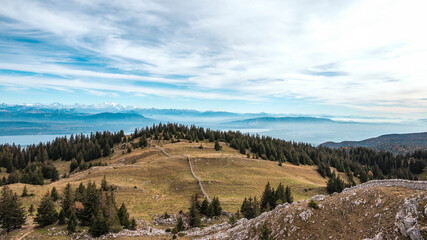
pixel 396 143
pixel 381 209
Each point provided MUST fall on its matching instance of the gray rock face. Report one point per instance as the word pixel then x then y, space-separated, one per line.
pixel 305 215
pixel 407 220
pixel 421 185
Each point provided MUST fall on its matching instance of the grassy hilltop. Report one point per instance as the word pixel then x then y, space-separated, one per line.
pixel 150 183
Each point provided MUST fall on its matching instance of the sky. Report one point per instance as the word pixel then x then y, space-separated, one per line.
pixel 331 57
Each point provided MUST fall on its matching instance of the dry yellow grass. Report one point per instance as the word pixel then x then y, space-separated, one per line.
pixel 150 183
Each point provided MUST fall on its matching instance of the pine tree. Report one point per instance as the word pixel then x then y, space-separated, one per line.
pixel 265 232
pixel 280 195
pixel 46 213
pixel 24 192
pixel 73 165
pixel 31 209
pixel 99 225
pixel 335 184
pixel 106 150
pixel 104 184
pixel 72 223
pixel 204 207
pixel 61 217
pixel 90 202
pixel 194 213
pixel 288 194
pixel 256 208
pixel 68 201
pixel 180 225
pixel 54 194
pixel 210 212
pixel 133 224
pixel 124 216
pixel 80 191
pixel 266 198
pixel 216 206
pixel 12 214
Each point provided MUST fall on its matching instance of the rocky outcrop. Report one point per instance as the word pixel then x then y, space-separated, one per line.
pixel 387 209
pixel 407 219
pixel 421 185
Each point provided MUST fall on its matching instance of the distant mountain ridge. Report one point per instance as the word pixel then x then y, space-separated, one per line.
pixel 396 143
pixel 270 120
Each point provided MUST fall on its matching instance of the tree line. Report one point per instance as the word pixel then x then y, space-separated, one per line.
pixel 360 162
pixel 364 163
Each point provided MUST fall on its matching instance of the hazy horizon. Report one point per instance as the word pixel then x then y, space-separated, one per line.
pixel 311 58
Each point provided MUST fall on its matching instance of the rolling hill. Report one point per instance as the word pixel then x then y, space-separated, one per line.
pixel 151 183
pixel 396 143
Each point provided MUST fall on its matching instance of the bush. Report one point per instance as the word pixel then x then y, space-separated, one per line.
pixel 313 204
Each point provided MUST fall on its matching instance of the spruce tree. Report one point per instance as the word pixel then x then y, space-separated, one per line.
pixel 216 206
pixel 133 224
pixel 280 195
pixel 54 194
pixel 61 217
pixel 99 225
pixel 104 184
pixel 288 194
pixel 90 204
pixel 180 224
pixel 67 201
pixel 256 208
pixel 266 198
pixel 24 192
pixel 106 150
pixel 265 232
pixel 110 211
pixel 194 214
pixel 124 216
pixel 46 213
pixel 72 223
pixel 12 214
pixel 204 207
pixel 31 209
pixel 210 212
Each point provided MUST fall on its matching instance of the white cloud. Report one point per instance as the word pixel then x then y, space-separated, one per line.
pixel 367 55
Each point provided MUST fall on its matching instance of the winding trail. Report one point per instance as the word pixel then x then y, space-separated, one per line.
pixel 31 229
pixel 198 179
pixel 191 170
pixel 163 151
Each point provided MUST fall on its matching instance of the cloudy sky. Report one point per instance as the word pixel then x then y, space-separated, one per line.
pixel 364 58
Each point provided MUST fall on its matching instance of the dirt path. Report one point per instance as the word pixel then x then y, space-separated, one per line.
pixel 192 172
pixel 197 178
pixel 163 151
pixel 30 229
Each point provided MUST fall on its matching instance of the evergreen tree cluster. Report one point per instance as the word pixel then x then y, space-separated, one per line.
pixel 335 184
pixel 205 208
pixel 87 205
pixel 12 214
pixel 252 208
pixel 33 161
pixel 360 162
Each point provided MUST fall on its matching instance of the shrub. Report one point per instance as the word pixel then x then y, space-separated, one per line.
pixel 313 204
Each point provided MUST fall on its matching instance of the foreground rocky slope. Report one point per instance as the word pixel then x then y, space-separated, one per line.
pixel 388 209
